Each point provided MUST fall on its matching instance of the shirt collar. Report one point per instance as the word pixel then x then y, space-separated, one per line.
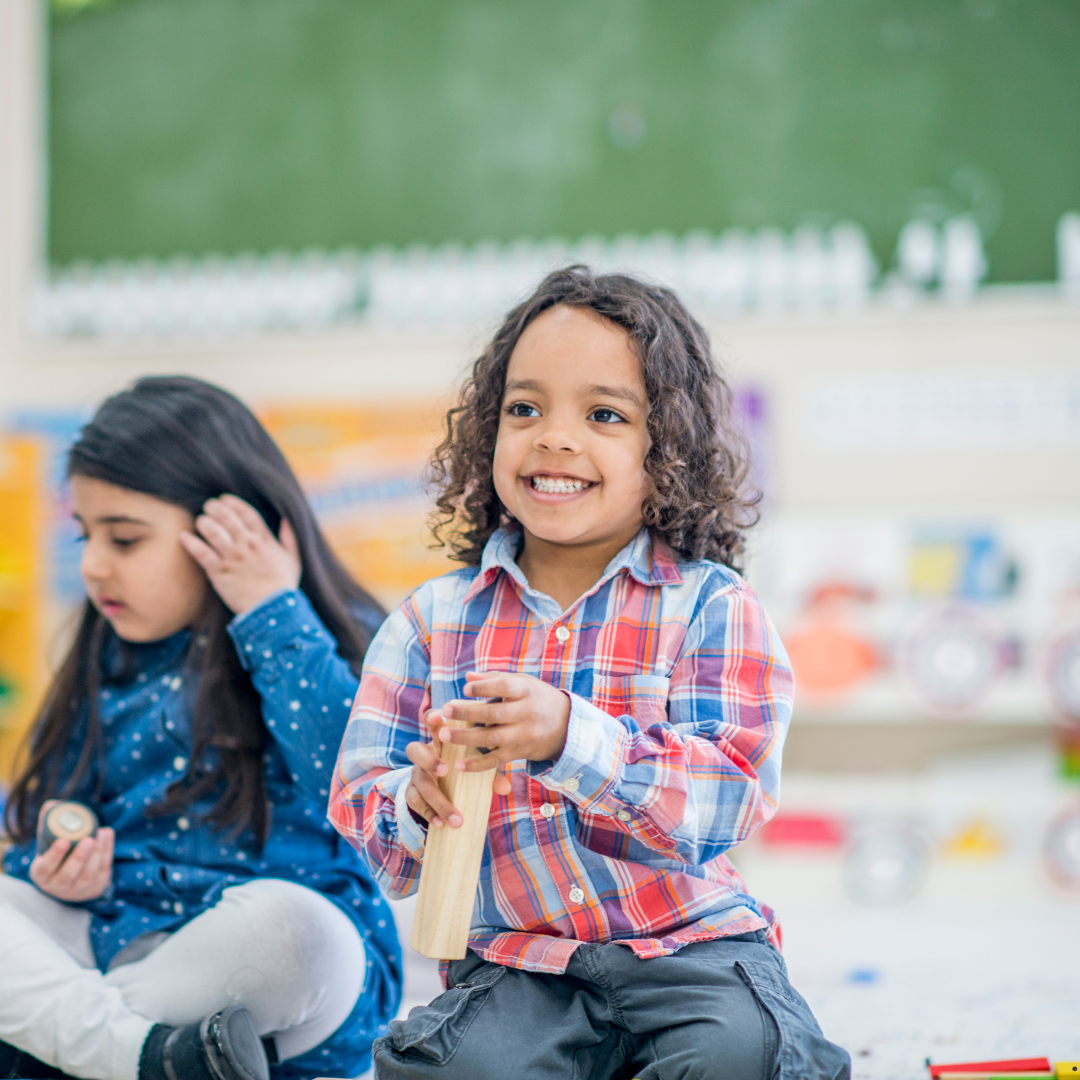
pixel 647 558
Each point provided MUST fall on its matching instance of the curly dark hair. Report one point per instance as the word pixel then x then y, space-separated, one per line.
pixel 698 459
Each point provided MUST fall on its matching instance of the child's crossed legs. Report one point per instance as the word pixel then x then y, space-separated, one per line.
pixel 284 952
pixel 721 1009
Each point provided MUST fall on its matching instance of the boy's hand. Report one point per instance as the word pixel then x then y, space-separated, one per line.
pixel 423 794
pixel 85 873
pixel 528 722
pixel 243 559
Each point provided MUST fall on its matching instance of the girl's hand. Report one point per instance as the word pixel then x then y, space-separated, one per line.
pixel 423 794
pixel 529 722
pixel 85 873
pixel 243 559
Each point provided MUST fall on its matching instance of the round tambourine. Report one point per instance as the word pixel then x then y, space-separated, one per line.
pixel 1062 671
pixel 1061 848
pixel 65 821
pixel 886 864
pixel 950 657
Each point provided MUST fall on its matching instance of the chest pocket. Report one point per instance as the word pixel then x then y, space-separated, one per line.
pixel 644 697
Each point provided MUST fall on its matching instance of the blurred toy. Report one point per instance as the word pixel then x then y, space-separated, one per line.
pixel 1067 1068
pixel 1013 1068
pixel 1062 672
pixel 951 655
pixel 65 821
pixel 887 864
pixel 829 653
pixel 977 839
pixel 1061 847
pixel 804 831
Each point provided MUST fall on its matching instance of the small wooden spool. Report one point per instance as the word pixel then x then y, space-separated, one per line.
pixel 65 821
pixel 451 869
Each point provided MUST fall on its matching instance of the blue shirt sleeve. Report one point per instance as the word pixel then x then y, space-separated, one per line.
pixel 307 688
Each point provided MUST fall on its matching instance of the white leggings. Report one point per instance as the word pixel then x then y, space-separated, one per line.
pixel 284 952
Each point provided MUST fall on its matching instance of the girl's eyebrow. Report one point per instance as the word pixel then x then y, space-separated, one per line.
pixel 121 519
pixel 115 519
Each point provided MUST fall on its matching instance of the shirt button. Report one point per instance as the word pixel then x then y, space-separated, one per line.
pixel 572 784
pixel 548 810
pixel 179 764
pixel 576 895
pixel 562 633
pixel 622 815
pixel 183 823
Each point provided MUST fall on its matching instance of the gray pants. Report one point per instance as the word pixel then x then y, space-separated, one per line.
pixel 722 1010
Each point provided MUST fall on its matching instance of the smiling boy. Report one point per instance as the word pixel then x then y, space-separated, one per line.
pixel 635 702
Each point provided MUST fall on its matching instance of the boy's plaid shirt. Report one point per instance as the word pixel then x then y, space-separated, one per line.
pixel 680 697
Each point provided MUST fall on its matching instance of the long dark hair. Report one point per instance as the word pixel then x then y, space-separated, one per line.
pixel 185 441
pixel 698 459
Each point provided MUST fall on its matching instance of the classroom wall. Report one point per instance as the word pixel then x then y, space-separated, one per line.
pixel 816 465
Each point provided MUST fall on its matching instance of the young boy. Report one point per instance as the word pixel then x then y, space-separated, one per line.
pixel 635 699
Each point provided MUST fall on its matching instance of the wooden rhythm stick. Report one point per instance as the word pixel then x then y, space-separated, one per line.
pixel 451 869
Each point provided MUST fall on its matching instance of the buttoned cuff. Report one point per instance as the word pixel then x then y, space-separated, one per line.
pixel 592 757
pixel 411 834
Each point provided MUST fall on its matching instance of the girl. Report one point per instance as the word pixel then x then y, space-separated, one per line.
pixel 215 926
pixel 634 696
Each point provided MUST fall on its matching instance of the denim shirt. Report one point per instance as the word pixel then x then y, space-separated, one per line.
pixel 167 870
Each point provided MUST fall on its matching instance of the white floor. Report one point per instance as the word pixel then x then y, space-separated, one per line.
pixel 982 962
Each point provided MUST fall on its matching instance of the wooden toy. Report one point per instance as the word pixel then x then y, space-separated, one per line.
pixel 1013 1067
pixel 65 821
pixel 452 857
pixel 1067 1068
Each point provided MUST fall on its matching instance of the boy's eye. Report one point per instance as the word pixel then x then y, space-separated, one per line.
pixel 606 416
pixel 125 541
pixel 523 408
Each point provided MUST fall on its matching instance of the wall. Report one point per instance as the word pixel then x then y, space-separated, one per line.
pixel 1018 334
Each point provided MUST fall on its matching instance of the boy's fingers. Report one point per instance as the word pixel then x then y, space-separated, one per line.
pixel 494 760
pixel 508 687
pixel 426 756
pixel 432 794
pixel 502 784
pixel 490 737
pixel 474 712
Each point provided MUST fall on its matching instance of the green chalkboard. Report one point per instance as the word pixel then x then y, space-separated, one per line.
pixel 188 126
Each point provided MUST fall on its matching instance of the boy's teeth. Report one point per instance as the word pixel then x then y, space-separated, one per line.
pixel 557 485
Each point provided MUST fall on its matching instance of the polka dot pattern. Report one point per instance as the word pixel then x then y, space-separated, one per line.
pixel 171 867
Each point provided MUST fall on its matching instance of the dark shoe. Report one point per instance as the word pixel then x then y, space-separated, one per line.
pixel 233 1047
pixel 225 1046
pixel 16 1064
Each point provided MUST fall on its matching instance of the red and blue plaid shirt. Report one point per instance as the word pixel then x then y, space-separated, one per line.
pixel 680 696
